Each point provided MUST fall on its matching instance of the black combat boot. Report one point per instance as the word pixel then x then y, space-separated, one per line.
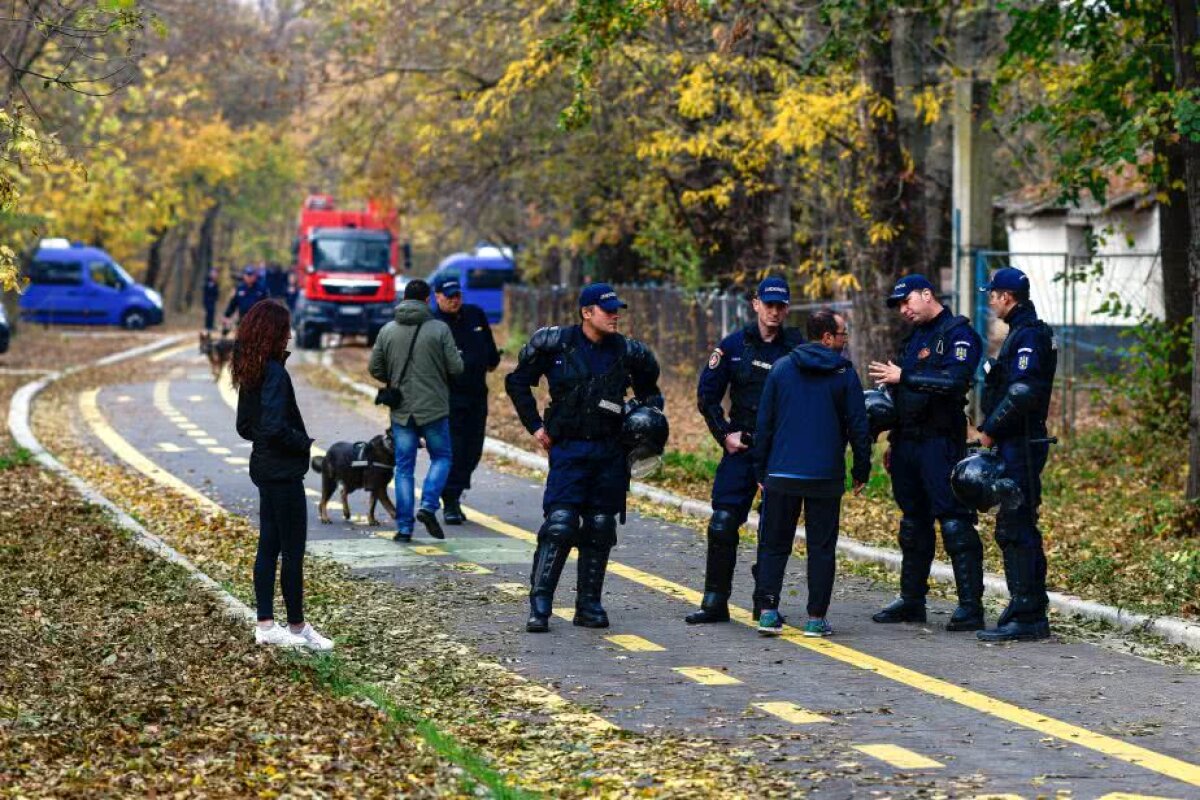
pixel 713 608
pixel 1025 618
pixel 451 510
pixel 914 584
pixel 966 558
pixel 589 613
pixel 548 561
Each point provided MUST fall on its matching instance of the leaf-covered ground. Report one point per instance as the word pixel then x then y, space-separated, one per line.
pixel 392 646
pixel 1108 509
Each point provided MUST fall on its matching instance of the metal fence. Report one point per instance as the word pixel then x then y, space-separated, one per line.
pixel 680 326
pixel 1089 301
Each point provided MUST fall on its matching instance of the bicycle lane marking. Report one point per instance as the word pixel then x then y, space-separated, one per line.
pixel 1169 766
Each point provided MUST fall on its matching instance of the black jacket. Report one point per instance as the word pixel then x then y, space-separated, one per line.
pixel 269 417
pixel 473 335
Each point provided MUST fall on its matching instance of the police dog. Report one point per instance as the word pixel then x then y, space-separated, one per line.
pixel 357 465
pixel 218 351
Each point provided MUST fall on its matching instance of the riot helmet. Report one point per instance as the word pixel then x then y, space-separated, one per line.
pixel 644 437
pixel 979 482
pixel 881 411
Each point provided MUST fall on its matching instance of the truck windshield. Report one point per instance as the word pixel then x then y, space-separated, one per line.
pixel 351 254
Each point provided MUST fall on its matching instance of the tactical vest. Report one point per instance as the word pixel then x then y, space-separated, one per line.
pixel 748 380
pixel 995 385
pixel 584 405
pixel 922 415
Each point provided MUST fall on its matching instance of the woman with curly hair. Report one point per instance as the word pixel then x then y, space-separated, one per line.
pixel 268 416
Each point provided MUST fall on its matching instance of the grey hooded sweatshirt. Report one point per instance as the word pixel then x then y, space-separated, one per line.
pixel 435 358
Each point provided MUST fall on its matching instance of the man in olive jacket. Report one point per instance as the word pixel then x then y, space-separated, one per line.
pixel 424 411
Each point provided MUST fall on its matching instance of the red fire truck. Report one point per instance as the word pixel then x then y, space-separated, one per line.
pixel 346 261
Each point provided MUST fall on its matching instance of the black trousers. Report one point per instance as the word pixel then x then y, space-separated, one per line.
pixel 468 426
pixel 282 531
pixel 776 534
pixel 210 314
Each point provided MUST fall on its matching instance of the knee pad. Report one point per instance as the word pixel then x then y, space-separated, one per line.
pixel 561 525
pixel 723 528
pixel 915 534
pixel 599 530
pixel 959 536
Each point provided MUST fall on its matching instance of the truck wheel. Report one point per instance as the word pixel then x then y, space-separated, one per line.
pixel 134 319
pixel 308 338
pixel 372 335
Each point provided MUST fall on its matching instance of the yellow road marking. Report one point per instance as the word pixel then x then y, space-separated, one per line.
pixel 1128 796
pixel 707 676
pixel 790 712
pixel 163 355
pixel 307 491
pixel 897 756
pixel 514 589
pixel 130 455
pixel 469 567
pixel 123 398
pixel 998 797
pixel 1009 712
pixel 428 550
pixel 635 644
pixel 228 393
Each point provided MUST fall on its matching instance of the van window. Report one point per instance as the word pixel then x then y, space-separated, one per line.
pixel 55 273
pixel 105 274
pixel 484 278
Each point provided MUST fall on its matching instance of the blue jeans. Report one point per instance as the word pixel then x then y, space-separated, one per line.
pixel 437 441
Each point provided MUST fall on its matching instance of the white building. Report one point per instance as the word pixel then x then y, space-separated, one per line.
pixel 1110 250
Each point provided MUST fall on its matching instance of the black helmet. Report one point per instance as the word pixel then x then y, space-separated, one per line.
pixel 881 411
pixel 644 436
pixel 978 481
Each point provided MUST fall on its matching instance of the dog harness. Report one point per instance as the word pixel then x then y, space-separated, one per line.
pixel 359 459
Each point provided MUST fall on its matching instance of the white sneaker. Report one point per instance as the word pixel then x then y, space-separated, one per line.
pixel 314 640
pixel 278 636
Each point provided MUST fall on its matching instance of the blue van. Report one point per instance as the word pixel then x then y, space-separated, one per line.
pixel 482 275
pixel 79 285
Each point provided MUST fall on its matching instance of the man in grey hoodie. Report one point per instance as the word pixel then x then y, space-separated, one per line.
pixel 811 407
pixel 424 412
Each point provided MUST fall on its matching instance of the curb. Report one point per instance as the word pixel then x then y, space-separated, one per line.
pixel 1172 629
pixel 18 424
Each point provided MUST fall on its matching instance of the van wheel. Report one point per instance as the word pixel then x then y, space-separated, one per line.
pixel 133 320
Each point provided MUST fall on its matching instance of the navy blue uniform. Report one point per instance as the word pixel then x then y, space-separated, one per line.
pixel 244 298
pixel 468 393
pixel 589 472
pixel 1016 402
pixel 212 293
pixel 937 362
pixel 740 366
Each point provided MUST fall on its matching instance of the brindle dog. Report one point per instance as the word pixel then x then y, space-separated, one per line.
pixel 219 351
pixel 357 465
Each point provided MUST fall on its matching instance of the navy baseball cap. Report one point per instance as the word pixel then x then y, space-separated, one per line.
pixel 249 271
pixel 600 294
pixel 774 290
pixel 447 285
pixel 1008 279
pixel 906 286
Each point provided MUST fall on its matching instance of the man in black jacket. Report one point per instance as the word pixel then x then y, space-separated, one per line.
pixel 589 367
pixel 468 390
pixel 811 407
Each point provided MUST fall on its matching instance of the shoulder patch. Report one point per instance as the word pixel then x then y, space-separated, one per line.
pixel 961 350
pixel 714 360
pixel 1023 362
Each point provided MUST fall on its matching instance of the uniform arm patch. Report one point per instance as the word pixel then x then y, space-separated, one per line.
pixel 714 360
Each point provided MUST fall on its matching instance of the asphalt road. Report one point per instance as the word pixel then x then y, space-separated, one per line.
pixel 913 706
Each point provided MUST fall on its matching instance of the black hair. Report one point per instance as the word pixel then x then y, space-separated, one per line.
pixel 822 321
pixel 417 290
pixel 1020 295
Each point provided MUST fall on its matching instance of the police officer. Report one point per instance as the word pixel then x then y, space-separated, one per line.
pixel 588 367
pixel 1016 400
pixel 248 292
pixel 740 364
pixel 930 384
pixel 212 292
pixel 468 391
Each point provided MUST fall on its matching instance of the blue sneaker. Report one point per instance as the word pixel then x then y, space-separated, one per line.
pixel 817 627
pixel 770 622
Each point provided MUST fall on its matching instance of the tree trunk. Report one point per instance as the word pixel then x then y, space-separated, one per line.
pixel 896 252
pixel 202 251
pixel 154 258
pixel 1183 17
